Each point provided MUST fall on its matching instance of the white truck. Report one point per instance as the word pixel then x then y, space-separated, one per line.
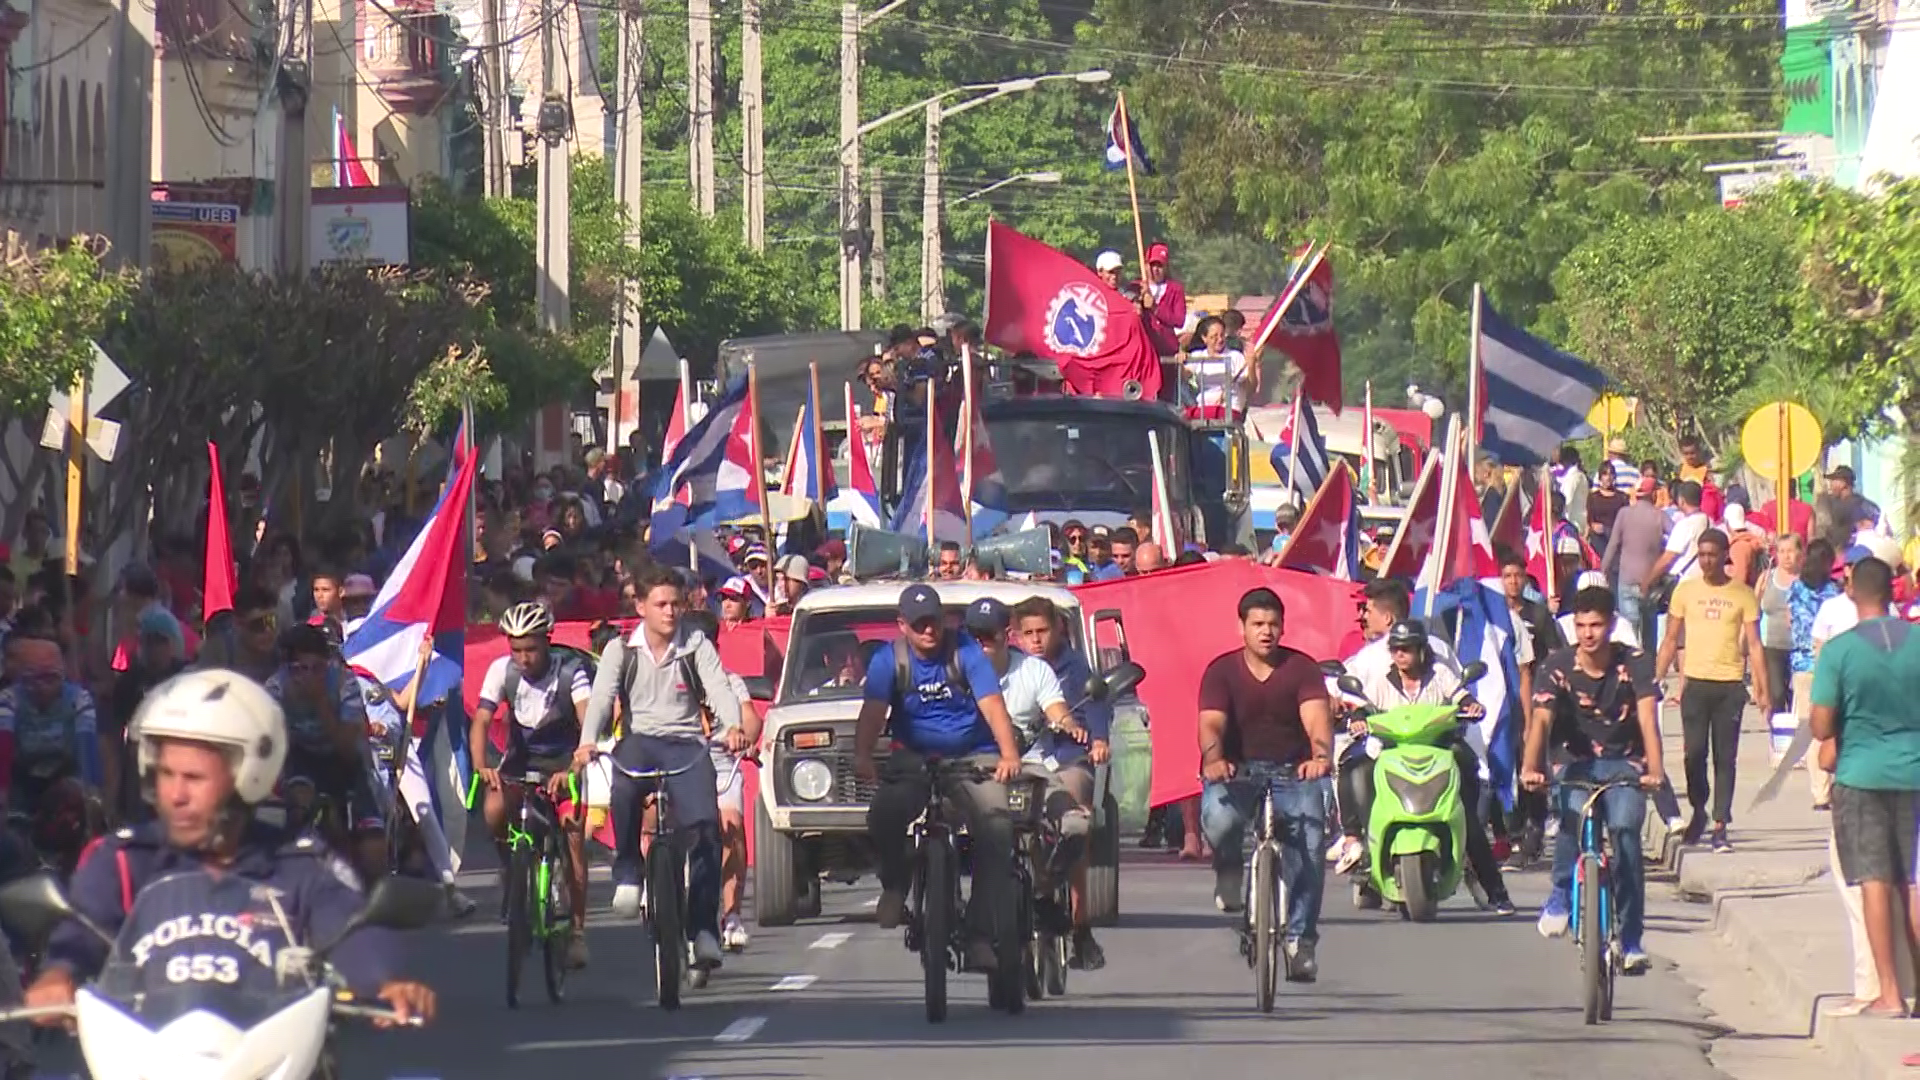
pixel 810 822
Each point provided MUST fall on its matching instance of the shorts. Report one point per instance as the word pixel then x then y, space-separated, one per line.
pixel 520 761
pixel 732 794
pixel 1875 833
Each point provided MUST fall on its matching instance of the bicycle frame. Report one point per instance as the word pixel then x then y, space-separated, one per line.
pixel 1593 841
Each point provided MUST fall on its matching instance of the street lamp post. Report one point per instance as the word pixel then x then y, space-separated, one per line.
pixel 1047 177
pixel 935 111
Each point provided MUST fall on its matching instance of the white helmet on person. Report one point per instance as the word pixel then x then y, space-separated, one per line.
pixel 223 709
pixel 531 619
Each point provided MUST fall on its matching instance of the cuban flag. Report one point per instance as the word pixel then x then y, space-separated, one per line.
pixel 1485 633
pixel 711 478
pixel 807 476
pixel 1327 539
pixel 676 424
pixel 348 171
pixel 1312 464
pixel 1533 396
pixel 1123 140
pixel 932 490
pixel 1466 550
pixel 860 500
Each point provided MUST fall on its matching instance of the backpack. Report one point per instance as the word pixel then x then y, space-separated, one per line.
pixel 566 662
pixel 903 670
pixel 688 673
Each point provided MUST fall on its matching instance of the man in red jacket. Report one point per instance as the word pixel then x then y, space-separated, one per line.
pixel 1163 304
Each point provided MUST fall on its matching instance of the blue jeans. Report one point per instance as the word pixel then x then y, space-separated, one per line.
pixel 1301 808
pixel 694 820
pixel 1622 810
pixel 1631 602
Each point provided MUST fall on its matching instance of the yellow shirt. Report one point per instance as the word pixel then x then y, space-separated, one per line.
pixel 1715 618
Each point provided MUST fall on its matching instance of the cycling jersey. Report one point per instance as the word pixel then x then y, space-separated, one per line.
pixel 67 728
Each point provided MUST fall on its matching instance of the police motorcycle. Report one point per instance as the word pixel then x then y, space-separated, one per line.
pixel 1416 830
pixel 190 1016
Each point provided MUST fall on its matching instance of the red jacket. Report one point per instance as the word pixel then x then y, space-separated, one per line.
pixel 1168 317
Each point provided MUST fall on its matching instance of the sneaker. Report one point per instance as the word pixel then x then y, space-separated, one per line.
pixel 1087 954
pixel 1503 906
pixel 459 905
pixel 1552 830
pixel 1229 888
pixel 891 909
pixel 1301 965
pixel 1696 829
pixel 706 950
pixel 1352 852
pixel 627 901
pixel 1336 849
pixel 1676 826
pixel 1721 845
pixel 1554 915
pixel 1634 961
pixel 577 949
pixel 733 934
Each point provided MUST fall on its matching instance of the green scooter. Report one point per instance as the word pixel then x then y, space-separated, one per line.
pixel 1416 830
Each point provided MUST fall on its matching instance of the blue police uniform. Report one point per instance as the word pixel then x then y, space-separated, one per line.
pixel 181 907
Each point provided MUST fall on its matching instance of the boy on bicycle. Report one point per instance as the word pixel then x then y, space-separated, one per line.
pixel 1596 702
pixel 546 698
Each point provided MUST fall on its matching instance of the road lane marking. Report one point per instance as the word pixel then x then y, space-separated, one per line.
pixel 741 1030
pixel 794 982
pixel 830 941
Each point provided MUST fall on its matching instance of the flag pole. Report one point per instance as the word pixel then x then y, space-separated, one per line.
pixel 966 435
pixel 1161 508
pixel 818 437
pixel 1474 404
pixel 932 419
pixel 686 421
pixel 1419 489
pixel 1280 557
pixel 1293 444
pixel 1287 297
pixel 1449 492
pixel 759 470
pixel 1366 443
pixel 1133 189
pixel 1548 538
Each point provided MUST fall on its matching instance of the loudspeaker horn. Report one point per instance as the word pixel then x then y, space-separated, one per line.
pixel 1132 390
pixel 876 553
pixel 1027 552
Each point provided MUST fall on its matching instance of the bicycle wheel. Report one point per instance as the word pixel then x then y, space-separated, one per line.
pixel 1013 949
pixel 1595 964
pixel 1263 933
pixel 556 917
pixel 936 922
pixel 519 886
pixel 666 911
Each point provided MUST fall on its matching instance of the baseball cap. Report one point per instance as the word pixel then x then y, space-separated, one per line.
pixel 1109 260
pixel 794 567
pixel 1590 579
pixel 1841 472
pixel 754 552
pixel 987 615
pixel 358 585
pixel 919 602
pixel 737 544
pixel 1566 545
pixel 1157 253
pixel 594 456
pixel 735 588
pixel 1858 552
pixel 833 549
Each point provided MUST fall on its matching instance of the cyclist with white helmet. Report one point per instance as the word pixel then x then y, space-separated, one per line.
pixel 546 695
pixel 210 745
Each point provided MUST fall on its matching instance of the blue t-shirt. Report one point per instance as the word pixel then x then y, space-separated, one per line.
pixel 933 718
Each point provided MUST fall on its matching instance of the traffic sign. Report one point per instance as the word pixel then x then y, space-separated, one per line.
pixel 1610 414
pixel 1781 433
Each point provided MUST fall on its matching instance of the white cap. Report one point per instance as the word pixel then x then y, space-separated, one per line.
pixel 1109 260
pixel 1590 579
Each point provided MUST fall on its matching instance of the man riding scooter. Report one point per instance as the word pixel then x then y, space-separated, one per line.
pixel 1414 679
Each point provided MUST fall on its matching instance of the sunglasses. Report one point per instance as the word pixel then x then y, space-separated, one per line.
pixel 1076 537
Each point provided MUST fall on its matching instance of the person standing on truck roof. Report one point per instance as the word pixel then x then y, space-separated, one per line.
pixel 1163 303
pixel 1108 267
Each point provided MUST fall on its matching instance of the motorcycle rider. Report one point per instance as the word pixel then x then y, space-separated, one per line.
pixel 1598 703
pixel 545 699
pixel 210 745
pixel 1417 679
pixel 1040 628
pixel 949 705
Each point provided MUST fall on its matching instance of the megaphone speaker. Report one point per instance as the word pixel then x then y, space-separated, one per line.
pixel 1132 390
pixel 876 553
pixel 1027 552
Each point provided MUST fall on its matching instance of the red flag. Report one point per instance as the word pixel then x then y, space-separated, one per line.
pixel 1508 529
pixel 1413 542
pixel 221 580
pixel 1306 335
pixel 1319 541
pixel 435 590
pixel 1043 302
pixel 1542 524
pixel 1469 548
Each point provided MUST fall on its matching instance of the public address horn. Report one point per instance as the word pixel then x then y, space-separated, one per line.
pixel 878 553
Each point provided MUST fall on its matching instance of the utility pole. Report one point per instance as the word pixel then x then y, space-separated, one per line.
pixel 130 119
pixel 293 178
pixel 700 102
pixel 752 123
pixel 553 268
pixel 849 164
pixel 933 292
pixel 879 229
pixel 627 150
pixel 493 69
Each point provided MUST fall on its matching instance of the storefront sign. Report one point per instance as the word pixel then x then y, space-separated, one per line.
pixel 190 235
pixel 366 226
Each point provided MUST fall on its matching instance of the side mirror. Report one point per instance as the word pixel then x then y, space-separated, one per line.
pixel 396 903
pixel 1472 673
pixel 1332 669
pixel 759 687
pixel 1350 685
pixel 33 906
pixel 1116 682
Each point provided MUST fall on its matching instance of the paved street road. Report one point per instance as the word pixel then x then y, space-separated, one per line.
pixel 1474 996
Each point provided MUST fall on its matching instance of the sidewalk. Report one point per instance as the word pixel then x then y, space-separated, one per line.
pixel 1775 904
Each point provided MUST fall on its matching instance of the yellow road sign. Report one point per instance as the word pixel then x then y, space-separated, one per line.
pixel 1781 433
pixel 1610 414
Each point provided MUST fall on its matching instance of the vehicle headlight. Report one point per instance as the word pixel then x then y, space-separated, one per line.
pixel 812 779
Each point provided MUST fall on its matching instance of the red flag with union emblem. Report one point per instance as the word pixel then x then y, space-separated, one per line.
pixel 1306 334
pixel 1041 301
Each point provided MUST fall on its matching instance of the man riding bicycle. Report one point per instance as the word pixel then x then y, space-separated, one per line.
pixel 545 698
pixel 327 738
pixel 1040 629
pixel 1415 677
pixel 670 677
pixel 949 706
pixel 1597 703
pixel 52 757
pixel 1265 723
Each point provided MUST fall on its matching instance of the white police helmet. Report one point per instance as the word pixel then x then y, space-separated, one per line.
pixel 224 709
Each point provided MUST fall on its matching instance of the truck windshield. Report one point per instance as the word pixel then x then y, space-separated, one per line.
pixel 1081 462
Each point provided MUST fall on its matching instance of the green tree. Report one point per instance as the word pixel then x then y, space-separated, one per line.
pixel 53 305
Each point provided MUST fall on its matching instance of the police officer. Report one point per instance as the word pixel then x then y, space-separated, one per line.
pixel 210 745
pixel 936 693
